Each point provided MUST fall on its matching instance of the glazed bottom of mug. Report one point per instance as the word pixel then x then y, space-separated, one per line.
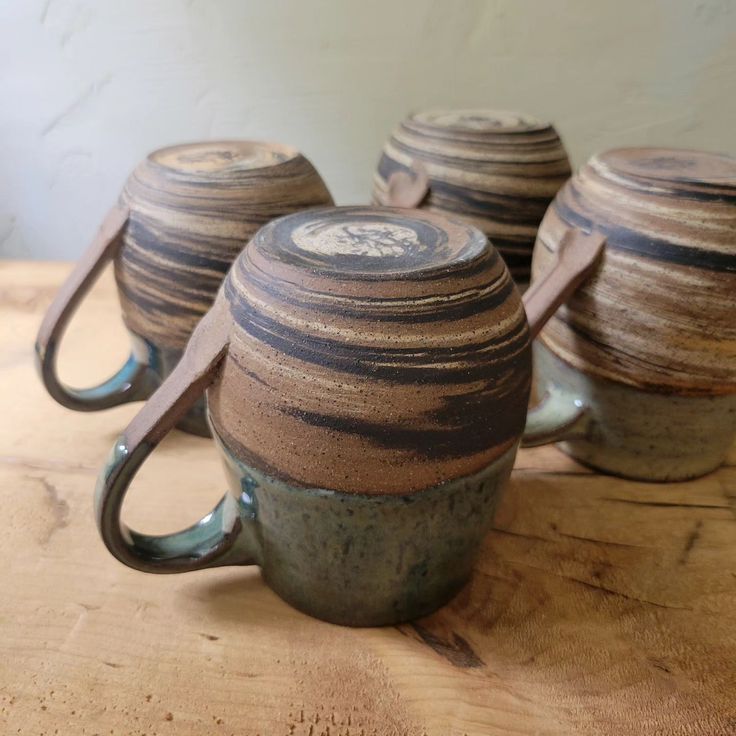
pixel 161 361
pixel 365 560
pixel 639 434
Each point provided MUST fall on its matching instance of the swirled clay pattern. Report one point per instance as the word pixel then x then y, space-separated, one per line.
pixel 371 351
pixel 660 311
pixel 499 170
pixel 193 209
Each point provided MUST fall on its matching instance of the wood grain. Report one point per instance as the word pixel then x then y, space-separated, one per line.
pixel 373 351
pixel 600 607
pixel 193 209
pixel 659 312
pixel 499 170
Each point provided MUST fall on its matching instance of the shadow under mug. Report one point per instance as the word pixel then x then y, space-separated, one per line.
pixel 355 558
pixel 183 217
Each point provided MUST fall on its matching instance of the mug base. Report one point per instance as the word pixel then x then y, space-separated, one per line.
pixel 638 434
pixel 360 620
pixel 367 560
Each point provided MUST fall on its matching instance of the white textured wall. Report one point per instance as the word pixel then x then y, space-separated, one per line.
pixel 88 87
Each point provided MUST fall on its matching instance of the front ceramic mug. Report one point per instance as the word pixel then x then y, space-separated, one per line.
pixel 184 215
pixel 639 368
pixel 367 374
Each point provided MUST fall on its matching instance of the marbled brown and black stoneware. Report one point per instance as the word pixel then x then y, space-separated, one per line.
pixel 372 352
pixel 369 371
pixel 657 320
pixel 188 210
pixel 499 170
pixel 192 210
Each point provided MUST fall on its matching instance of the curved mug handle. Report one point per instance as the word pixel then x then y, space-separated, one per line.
pixel 559 415
pixel 134 381
pixel 224 536
pixel 407 189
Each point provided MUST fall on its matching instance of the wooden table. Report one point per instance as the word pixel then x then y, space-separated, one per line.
pixel 599 606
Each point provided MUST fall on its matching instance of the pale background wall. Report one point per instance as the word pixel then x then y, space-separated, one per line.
pixel 88 87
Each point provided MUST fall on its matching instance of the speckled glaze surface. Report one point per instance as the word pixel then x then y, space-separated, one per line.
pixel 365 559
pixel 654 329
pixel 372 351
pixel 193 208
pixel 499 170
pixel 638 433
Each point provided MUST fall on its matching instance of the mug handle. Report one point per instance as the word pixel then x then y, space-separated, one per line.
pixel 226 535
pixel 135 380
pixel 560 415
pixel 407 189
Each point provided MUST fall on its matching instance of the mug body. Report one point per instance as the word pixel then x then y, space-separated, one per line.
pixel 193 208
pixel 639 433
pixel 498 170
pixel 370 405
pixel 648 343
pixel 366 559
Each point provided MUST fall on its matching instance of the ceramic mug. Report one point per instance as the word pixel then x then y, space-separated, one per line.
pixel 639 368
pixel 184 215
pixel 367 373
pixel 497 169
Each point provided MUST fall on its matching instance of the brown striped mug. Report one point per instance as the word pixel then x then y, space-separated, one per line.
pixel 367 373
pixel 184 215
pixel 638 369
pixel 499 170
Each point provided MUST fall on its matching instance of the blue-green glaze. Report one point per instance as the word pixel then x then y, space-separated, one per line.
pixel 625 430
pixel 366 560
pixel 348 558
pixel 145 369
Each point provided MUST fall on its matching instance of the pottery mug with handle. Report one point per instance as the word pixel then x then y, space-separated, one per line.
pixel 184 215
pixel 638 369
pixel 367 373
pixel 499 170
